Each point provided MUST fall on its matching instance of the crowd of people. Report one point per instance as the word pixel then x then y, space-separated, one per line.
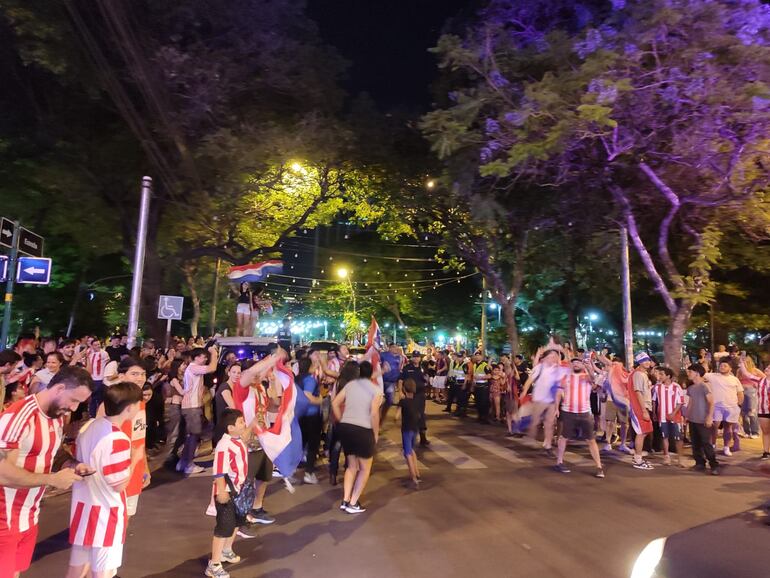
pixel 92 417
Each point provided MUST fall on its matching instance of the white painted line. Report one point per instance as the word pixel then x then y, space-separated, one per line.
pixel 505 453
pixel 457 458
pixel 393 454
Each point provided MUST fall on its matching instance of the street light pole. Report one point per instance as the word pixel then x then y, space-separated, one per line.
pixel 141 241
pixel 483 315
pixel 625 281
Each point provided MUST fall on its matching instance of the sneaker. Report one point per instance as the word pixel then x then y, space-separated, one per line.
pixel 599 473
pixel 643 465
pixel 193 469
pixel 607 448
pixel 289 486
pixel 216 571
pixel 624 449
pixel 276 473
pixel 727 452
pixel 247 532
pixel 667 460
pixel 230 557
pixel 344 505
pixel 260 517
pixel 715 471
pixel 549 452
pixel 698 468
pixel 179 466
pixel 310 479
pixel 765 456
pixel 562 468
pixel 354 509
pixel 754 436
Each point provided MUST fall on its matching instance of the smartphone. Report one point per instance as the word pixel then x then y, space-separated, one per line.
pixel 87 474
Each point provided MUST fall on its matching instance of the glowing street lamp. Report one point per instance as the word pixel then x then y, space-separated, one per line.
pixel 430 184
pixel 344 273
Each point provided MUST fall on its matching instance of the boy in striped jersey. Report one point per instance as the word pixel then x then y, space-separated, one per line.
pixel 573 409
pixel 231 460
pixel 669 399
pixel 98 515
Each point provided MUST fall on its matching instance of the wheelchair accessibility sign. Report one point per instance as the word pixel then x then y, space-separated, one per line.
pixel 170 307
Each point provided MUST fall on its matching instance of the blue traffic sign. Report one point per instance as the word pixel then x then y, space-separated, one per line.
pixel 34 271
pixel 3 268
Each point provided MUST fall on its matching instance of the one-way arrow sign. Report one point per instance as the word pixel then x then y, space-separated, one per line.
pixel 34 271
pixel 6 232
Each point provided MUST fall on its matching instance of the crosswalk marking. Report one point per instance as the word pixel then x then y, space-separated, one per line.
pixel 457 458
pixel 505 453
pixel 391 451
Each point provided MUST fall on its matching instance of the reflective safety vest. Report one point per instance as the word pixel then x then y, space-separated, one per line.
pixel 457 371
pixel 480 376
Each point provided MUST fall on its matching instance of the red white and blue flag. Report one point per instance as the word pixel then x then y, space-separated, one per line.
pixel 373 347
pixel 620 385
pixel 282 441
pixel 255 272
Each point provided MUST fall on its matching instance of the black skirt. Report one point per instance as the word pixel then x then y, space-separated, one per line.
pixel 356 440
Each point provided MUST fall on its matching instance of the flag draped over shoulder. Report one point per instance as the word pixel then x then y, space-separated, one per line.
pixel 282 442
pixel 255 272
pixel 620 386
pixel 373 347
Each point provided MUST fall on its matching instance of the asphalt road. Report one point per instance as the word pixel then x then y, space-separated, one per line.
pixel 490 506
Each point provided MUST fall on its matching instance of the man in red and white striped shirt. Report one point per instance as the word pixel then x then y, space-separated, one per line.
pixel 96 362
pixel 573 409
pixel 763 409
pixel 98 516
pixel 669 398
pixel 30 439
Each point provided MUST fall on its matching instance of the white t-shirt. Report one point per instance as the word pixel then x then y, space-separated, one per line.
pixel 546 381
pixel 724 388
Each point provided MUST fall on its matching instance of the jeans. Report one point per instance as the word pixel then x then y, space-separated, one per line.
pixel 335 449
pixel 97 396
pixel 172 419
pixel 193 422
pixel 481 394
pixel 702 450
pixel 311 439
pixel 749 411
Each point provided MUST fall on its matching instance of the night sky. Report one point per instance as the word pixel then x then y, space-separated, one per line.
pixel 386 42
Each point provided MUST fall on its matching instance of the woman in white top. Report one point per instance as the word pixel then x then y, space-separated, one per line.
pixel 357 409
pixel 53 363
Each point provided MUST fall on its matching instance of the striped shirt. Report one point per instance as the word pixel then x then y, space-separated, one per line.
pixel 193 385
pixel 763 395
pixel 98 515
pixel 668 397
pixel 230 458
pixel 577 393
pixel 97 361
pixel 25 427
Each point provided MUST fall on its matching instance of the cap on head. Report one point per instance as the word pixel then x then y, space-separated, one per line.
pixel 641 358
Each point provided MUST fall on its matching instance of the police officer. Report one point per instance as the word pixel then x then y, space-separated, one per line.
pixel 455 381
pixel 412 370
pixel 480 370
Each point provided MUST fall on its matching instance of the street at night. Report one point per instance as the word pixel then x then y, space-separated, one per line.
pixel 490 506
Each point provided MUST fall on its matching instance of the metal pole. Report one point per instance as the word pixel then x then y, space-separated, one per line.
pixel 141 241
pixel 483 315
pixel 9 286
pixel 213 319
pixel 168 332
pixel 625 280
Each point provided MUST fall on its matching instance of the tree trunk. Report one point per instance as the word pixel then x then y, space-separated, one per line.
pixel 677 326
pixel 572 322
pixel 511 329
pixel 397 312
pixel 189 275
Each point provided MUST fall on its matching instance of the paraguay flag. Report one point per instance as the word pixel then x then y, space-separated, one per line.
pixel 255 272
pixel 282 442
pixel 620 386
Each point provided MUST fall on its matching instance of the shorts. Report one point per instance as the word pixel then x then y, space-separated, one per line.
pixel 613 413
pixel 16 550
pixel 260 466
pixel 439 382
pixel 726 413
pixel 227 519
pixel 408 438
pixel 100 559
pixel 132 503
pixel 193 420
pixel 243 309
pixel 576 426
pixel 356 440
pixel 671 430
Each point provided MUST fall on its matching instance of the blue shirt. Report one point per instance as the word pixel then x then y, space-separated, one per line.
pixel 394 361
pixel 309 384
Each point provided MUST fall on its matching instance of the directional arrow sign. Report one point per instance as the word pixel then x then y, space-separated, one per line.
pixel 6 232
pixel 3 268
pixel 30 243
pixel 34 271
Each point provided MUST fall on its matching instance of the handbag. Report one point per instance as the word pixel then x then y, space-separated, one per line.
pixel 243 500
